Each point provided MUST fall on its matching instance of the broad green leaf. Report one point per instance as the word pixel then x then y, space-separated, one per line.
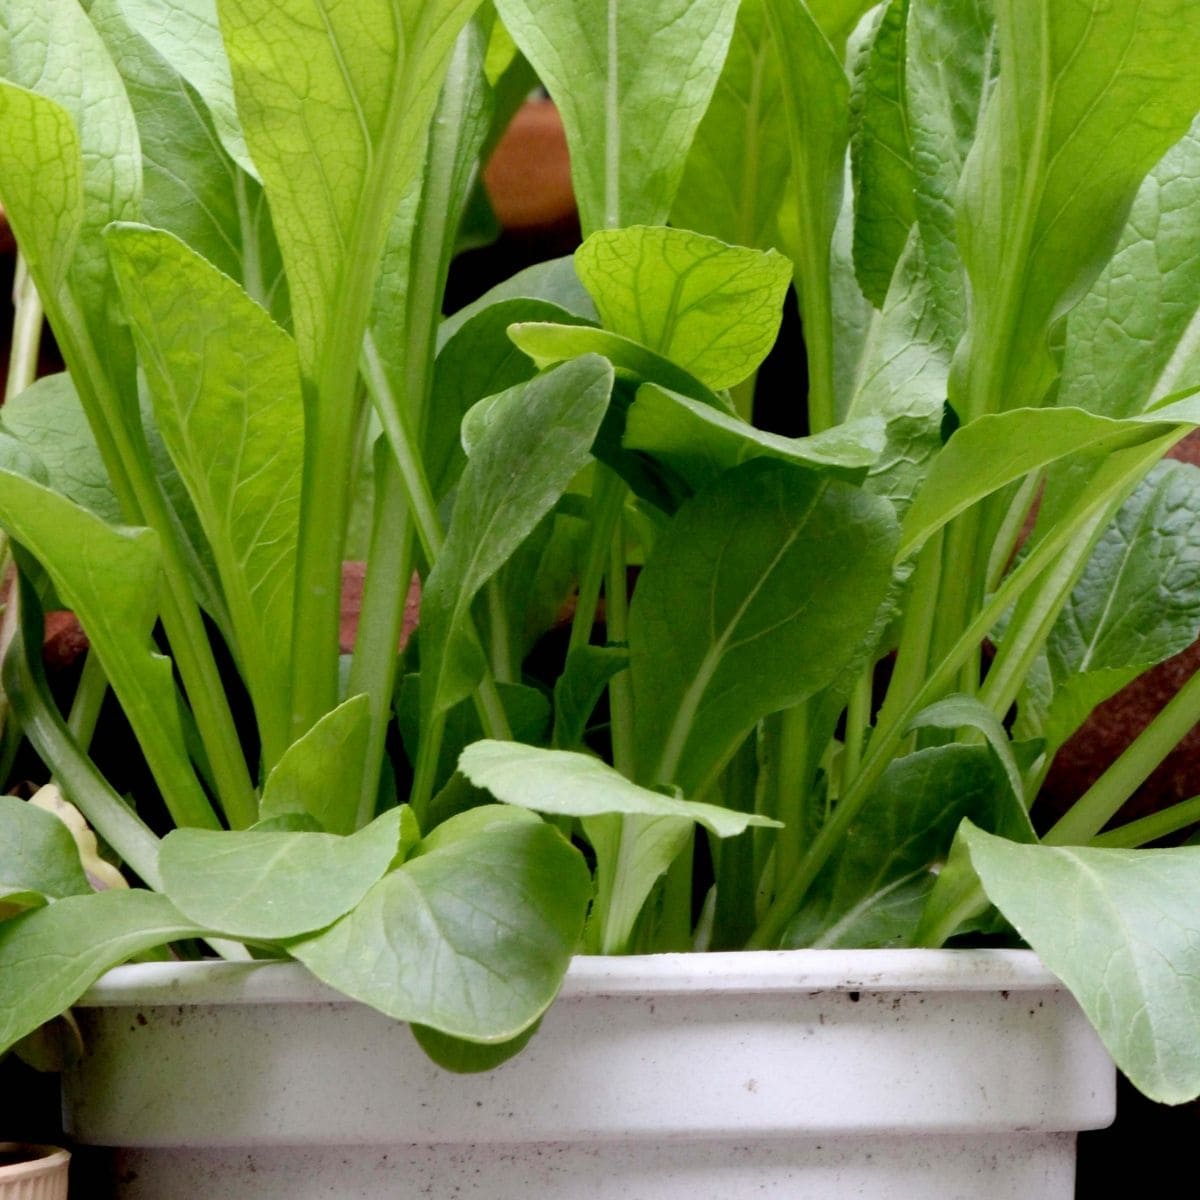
pixel 317 774
pixel 872 891
pixel 64 182
pixel 226 391
pixel 554 281
pixel 111 578
pixel 551 344
pixel 837 18
pixel 471 938
pixel 469 1058
pixel 712 308
pixel 1135 337
pixel 737 170
pixel 190 185
pixel 1090 96
pixel 274 885
pixel 998 448
pixel 49 422
pixel 568 784
pixel 777 574
pixel 524 462
pixel 1120 929
pixel 578 689
pixel 632 82
pixel 37 853
pixel 1136 604
pixel 881 154
pixel 49 957
pixel 336 147
pixel 699 441
pixel 187 35
pixel 478 360
pixel 902 380
pixel 816 97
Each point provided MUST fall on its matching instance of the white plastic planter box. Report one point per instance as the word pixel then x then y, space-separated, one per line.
pixel 801 1074
pixel 33 1172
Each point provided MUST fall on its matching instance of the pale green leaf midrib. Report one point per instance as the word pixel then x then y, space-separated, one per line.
pixel 689 704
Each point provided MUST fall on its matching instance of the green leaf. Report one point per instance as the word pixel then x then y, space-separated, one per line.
pixel 61 184
pixel 966 712
pixel 632 82
pixel 567 784
pixel 548 345
pixel 37 853
pixel 534 447
pixel 187 35
pixel 777 575
pixel 111 578
pixel 998 448
pixel 1132 340
pixel 336 148
pixel 1136 604
pixel 478 360
pixel 578 689
pixel 737 170
pixel 469 1058
pixel 317 773
pixel 1119 928
pixel 471 937
pixel 699 442
pixel 226 390
pixel 837 18
pixel 712 308
pixel 871 892
pixel 50 956
pixel 881 153
pixel 49 422
pixel 274 885
pixel 1089 98
pixel 191 186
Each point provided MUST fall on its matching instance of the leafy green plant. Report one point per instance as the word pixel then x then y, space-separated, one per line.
pixel 985 210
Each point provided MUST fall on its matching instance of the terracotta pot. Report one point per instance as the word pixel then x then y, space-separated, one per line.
pixel 33 1172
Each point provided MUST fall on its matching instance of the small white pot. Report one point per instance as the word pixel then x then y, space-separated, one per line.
pixel 800 1074
pixel 33 1172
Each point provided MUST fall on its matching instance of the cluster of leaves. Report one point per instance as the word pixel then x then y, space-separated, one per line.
pixel 985 210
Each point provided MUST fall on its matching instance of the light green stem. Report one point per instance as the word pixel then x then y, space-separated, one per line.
pixel 1152 828
pixel 28 318
pixel 89 699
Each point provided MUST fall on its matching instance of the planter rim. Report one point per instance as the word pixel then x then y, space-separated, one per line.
pixel 42 1161
pixel 759 971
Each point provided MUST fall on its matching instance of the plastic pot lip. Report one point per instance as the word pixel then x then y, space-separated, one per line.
pixel 38 1160
pixel 725 973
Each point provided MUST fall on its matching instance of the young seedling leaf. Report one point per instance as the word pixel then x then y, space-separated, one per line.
pixel 521 466
pixel 50 956
pixel 632 82
pixel 712 308
pixel 317 774
pixel 37 853
pixel 274 885
pixel 471 936
pixel 1120 928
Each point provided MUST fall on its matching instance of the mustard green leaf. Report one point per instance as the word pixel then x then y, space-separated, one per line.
pixel 37 853
pixel 632 82
pixel 316 773
pixel 777 573
pixel 472 936
pixel 712 308
pixel 533 447
pixel 274 885
pixel 225 385
pixel 1120 929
